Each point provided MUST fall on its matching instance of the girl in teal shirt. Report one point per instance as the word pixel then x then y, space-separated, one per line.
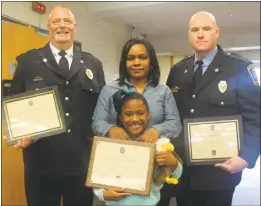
pixel 133 116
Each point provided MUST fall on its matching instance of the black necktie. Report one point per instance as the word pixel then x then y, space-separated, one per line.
pixel 63 63
pixel 198 73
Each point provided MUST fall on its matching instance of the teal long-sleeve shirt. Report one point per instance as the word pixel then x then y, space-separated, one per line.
pixel 139 200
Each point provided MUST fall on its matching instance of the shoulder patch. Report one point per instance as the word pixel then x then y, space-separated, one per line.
pixel 251 70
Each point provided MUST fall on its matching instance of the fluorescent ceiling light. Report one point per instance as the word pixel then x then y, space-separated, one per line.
pixel 249 48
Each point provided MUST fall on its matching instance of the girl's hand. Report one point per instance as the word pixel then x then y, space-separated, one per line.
pixel 115 194
pixel 166 158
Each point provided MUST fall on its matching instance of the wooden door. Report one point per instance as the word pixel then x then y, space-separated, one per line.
pixel 16 39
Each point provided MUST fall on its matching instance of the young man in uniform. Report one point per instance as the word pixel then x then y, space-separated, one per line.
pixel 212 83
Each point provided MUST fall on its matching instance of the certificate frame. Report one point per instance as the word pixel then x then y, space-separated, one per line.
pixel 189 123
pixel 8 132
pixel 150 146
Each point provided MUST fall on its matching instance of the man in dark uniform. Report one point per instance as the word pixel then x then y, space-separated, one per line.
pixel 56 166
pixel 212 83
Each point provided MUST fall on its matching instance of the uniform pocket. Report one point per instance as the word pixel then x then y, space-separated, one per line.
pixel 222 100
pixel 87 85
pixel 178 96
pixel 34 85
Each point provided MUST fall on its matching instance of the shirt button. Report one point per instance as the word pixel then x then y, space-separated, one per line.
pixel 66 98
pixel 67 83
pixel 36 89
pixel 193 96
pixel 67 114
pixel 192 111
pixel 90 89
pixel 68 130
pixel 222 103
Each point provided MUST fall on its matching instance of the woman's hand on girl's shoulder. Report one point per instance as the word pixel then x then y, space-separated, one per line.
pixel 150 135
pixel 118 133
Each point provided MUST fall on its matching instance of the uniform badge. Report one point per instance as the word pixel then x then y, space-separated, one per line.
pixel 89 74
pixel 251 70
pixel 222 86
pixel 175 89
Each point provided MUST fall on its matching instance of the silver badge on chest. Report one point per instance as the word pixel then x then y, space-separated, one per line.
pixel 222 86
pixel 89 74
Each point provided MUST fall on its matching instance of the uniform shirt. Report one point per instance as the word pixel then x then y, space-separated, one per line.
pixel 68 56
pixel 206 61
pixel 164 114
pixel 138 200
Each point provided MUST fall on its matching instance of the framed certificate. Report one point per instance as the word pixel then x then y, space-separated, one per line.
pixel 121 163
pixel 34 114
pixel 213 139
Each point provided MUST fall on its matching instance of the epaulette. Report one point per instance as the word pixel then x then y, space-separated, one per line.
pixel 90 55
pixel 26 54
pixel 187 57
pixel 184 59
pixel 237 56
pixel 87 53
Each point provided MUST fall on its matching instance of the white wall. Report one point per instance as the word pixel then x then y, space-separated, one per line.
pixel 178 58
pixel 164 64
pixel 101 38
pixel 180 45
